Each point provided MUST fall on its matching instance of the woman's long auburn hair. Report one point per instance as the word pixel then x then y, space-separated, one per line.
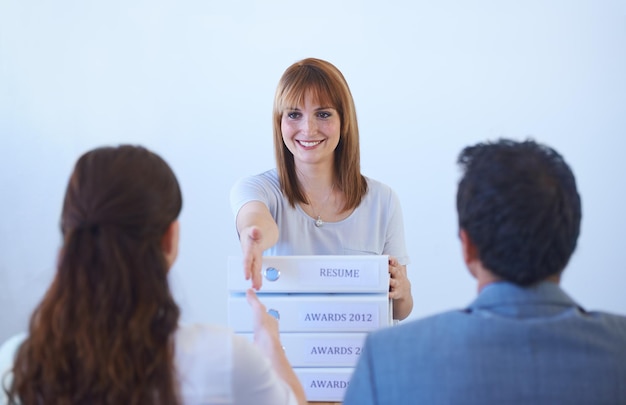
pixel 327 85
pixel 103 333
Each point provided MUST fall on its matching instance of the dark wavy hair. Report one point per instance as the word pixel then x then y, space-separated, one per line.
pixel 103 331
pixel 519 205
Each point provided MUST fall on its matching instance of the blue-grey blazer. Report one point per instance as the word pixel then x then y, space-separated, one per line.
pixel 512 345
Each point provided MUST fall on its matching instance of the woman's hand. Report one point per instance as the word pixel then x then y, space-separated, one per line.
pixel 399 289
pixel 267 338
pixel 257 232
pixel 266 334
pixel 251 239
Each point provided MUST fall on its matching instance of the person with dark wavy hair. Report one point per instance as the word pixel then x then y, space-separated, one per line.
pixel 523 340
pixel 107 330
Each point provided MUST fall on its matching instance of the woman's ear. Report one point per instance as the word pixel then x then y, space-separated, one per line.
pixel 169 243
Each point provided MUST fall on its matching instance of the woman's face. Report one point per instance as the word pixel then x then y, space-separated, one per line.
pixel 311 131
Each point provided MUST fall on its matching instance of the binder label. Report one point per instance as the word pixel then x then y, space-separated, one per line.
pixel 349 316
pixel 324 386
pixel 339 274
pixel 332 351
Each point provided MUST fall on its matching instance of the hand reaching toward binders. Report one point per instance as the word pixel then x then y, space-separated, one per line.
pixel 257 232
pixel 251 239
pixel 267 338
pixel 266 334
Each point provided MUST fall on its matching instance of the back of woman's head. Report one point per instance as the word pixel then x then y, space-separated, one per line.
pixel 127 188
pixel 102 333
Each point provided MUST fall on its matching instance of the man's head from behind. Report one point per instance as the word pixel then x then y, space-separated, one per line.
pixel 518 204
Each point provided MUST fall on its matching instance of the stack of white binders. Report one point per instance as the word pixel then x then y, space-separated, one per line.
pixel 325 305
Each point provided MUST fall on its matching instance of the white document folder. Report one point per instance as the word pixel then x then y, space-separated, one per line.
pixel 315 274
pixel 321 349
pixel 324 384
pixel 325 306
pixel 315 312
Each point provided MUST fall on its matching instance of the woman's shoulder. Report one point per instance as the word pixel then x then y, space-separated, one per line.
pixel 377 188
pixel 211 345
pixel 187 334
pixel 266 179
pixel 9 348
pixel 270 175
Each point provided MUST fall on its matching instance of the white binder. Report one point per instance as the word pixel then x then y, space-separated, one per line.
pixel 324 384
pixel 325 306
pixel 316 274
pixel 321 349
pixel 315 312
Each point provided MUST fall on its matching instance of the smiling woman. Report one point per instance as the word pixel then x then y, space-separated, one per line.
pixel 311 133
pixel 316 201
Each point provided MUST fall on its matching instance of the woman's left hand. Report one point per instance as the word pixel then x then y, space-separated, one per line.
pixel 399 285
pixel 399 289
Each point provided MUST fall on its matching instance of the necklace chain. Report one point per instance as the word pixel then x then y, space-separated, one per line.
pixel 319 222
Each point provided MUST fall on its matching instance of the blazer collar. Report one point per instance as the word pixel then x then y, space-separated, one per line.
pixel 506 297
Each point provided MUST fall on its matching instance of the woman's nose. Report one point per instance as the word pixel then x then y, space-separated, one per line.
pixel 309 125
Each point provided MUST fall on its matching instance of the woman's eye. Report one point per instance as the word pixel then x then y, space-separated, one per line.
pixel 323 114
pixel 293 115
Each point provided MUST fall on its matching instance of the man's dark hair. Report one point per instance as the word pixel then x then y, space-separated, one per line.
pixel 518 203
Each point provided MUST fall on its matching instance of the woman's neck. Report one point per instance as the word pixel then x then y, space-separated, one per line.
pixel 316 179
pixel 324 199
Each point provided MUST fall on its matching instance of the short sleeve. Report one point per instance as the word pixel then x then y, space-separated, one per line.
pixel 215 366
pixel 244 191
pixel 254 379
pixel 7 356
pixel 395 244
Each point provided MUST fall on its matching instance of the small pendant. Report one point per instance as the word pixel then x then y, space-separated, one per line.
pixel 319 222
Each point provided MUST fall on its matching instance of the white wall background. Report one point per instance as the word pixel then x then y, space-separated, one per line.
pixel 194 81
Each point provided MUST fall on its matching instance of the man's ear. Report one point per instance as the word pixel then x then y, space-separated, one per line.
pixel 169 243
pixel 470 253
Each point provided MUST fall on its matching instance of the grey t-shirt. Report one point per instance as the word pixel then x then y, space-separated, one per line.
pixel 375 227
